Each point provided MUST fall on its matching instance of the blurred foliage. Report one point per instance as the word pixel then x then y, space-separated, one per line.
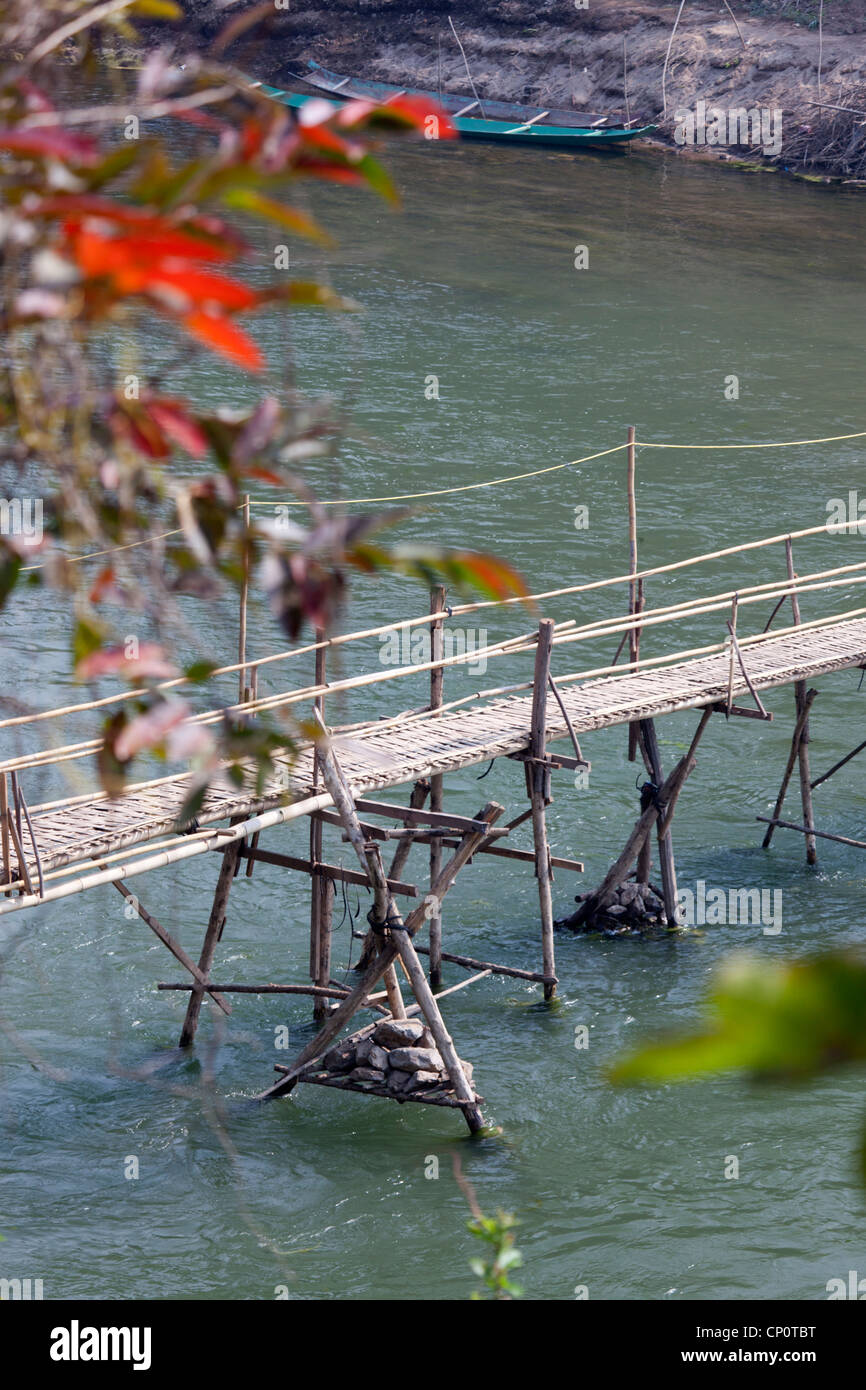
pixel 102 229
pixel 772 1021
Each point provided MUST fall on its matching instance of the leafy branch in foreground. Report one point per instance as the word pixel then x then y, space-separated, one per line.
pixel 772 1021
pixel 497 1233
pixel 119 262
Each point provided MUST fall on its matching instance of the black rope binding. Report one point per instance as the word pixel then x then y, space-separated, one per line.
pixel 390 923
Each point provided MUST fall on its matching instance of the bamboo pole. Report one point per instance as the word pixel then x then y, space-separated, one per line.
pixel 538 778
pixel 810 830
pixel 803 743
pixel 216 921
pixel 619 870
pixel 511 646
pixel 174 946
pixel 836 766
pixel 389 919
pixel 401 854
pixel 732 629
pixel 437 676
pixel 456 611
pixel 321 886
pixel 633 636
pixel 243 691
pixel 665 844
pixel 189 849
pixel 802 716
pixel 376 969
pixel 488 967
pixel 4 830
pixel 369 857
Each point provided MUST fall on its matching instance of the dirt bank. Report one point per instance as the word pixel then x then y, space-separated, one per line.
pixel 550 51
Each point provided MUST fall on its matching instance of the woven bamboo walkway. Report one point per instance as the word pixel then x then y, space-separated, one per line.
pixel 374 758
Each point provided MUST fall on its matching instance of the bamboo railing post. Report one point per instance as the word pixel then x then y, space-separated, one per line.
pixel 803 741
pixel 539 783
pixel 4 830
pixel 437 675
pixel 322 885
pixel 634 633
pixel 243 691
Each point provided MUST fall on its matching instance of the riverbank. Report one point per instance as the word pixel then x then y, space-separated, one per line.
pixel 609 57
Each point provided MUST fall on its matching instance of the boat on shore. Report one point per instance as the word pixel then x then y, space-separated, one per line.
pixel 476 118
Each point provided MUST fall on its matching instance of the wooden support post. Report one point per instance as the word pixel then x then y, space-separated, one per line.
pixel 619 871
pixel 389 920
pixel 665 844
pixel 419 795
pixel 732 629
pixel 437 651
pixel 538 777
pixel 645 855
pixel 243 691
pixel 634 635
pixel 215 925
pixel 370 858
pixel 322 887
pixel 802 716
pixel 376 969
pixel 803 742
pixel 4 830
pixel 174 946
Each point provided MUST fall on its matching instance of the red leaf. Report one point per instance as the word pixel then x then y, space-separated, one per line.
pixel 149 729
pixel 199 287
pixel 51 143
pixel 174 421
pixel 114 661
pixel 224 337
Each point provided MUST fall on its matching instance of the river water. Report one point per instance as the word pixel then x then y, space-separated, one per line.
pixel 695 276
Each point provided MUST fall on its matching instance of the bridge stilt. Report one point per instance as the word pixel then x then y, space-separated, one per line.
pixel 538 782
pixel 437 675
pixel 216 922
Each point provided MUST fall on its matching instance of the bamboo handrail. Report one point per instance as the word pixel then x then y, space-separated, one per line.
pixel 509 646
pixel 458 610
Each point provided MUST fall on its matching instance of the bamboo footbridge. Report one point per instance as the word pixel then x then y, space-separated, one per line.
pixel 79 843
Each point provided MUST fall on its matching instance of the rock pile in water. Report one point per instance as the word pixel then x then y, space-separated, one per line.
pixel 633 907
pixel 400 1055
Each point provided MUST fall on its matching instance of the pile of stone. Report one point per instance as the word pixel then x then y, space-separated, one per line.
pixel 399 1055
pixel 632 907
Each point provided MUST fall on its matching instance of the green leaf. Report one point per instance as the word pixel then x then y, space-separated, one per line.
pixel 87 638
pixel 767 1019
pixel 191 807
pixel 248 200
pixel 200 670
pixel 10 568
pixel 377 178
pixel 307 293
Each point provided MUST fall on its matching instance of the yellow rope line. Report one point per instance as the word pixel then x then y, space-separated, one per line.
pixel 469 487
pixel 783 444
pixel 445 491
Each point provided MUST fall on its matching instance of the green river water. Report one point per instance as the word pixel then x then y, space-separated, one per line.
pixel 694 275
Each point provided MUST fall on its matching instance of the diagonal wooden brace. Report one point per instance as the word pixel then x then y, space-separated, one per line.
pixel 376 969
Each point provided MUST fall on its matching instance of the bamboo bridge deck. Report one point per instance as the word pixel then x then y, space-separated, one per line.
pixel 375 758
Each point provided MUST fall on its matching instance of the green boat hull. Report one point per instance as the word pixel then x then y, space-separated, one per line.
pixel 536 136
